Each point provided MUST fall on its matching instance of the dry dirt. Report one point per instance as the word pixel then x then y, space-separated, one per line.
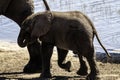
pixel 13 59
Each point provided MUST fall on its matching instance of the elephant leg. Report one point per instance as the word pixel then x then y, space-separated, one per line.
pixel 61 59
pixel 47 50
pixel 35 64
pixel 83 67
pixel 93 66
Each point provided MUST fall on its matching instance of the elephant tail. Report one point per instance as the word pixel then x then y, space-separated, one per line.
pixel 95 33
pixel 46 5
pixel 102 44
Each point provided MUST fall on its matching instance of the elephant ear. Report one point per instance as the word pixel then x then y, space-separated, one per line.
pixel 42 24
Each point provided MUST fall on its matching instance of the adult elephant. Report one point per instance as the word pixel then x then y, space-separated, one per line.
pixel 18 10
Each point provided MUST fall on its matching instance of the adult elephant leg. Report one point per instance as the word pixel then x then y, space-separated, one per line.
pixel 61 59
pixel 35 64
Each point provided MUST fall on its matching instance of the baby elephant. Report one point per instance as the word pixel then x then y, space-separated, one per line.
pixel 65 30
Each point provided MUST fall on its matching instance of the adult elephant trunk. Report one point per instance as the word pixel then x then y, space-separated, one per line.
pixel 22 42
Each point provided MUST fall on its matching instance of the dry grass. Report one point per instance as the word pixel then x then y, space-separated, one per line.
pixel 14 58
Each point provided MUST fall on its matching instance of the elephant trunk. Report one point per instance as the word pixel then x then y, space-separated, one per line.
pixel 22 42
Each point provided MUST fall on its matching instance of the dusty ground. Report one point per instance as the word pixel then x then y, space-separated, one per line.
pixel 13 59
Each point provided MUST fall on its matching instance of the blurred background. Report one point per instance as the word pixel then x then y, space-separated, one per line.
pixel 105 14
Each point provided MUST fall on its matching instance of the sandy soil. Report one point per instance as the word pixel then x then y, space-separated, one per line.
pixel 13 59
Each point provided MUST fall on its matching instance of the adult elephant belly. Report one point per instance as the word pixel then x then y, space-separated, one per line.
pixel 4 5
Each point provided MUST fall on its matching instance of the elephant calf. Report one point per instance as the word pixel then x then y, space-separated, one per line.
pixel 66 30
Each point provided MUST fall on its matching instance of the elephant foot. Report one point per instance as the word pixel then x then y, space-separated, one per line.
pixel 32 68
pixel 82 72
pixel 45 75
pixel 66 66
pixel 92 77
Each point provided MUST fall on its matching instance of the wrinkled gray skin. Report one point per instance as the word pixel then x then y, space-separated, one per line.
pixel 18 10
pixel 66 30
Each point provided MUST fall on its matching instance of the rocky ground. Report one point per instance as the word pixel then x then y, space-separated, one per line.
pixel 13 59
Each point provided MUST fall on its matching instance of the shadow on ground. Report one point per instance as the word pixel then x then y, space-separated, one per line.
pixel 18 76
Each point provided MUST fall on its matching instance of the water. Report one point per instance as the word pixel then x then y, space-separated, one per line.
pixel 105 15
